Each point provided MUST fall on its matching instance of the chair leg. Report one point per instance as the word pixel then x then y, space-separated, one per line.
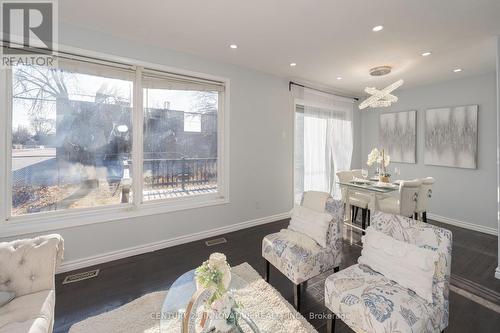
pixel 369 218
pixel 330 322
pixel 267 271
pixel 296 297
pixel 424 217
pixel 415 216
pixel 364 212
pixel 336 269
pixel 356 209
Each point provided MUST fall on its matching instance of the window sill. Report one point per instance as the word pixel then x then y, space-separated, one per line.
pixel 38 223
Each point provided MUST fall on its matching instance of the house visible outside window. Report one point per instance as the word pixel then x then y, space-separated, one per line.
pixel 71 138
pixel 80 138
pixel 192 122
pixel 179 158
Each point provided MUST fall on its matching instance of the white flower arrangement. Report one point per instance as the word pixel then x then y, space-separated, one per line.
pixel 222 311
pixel 215 275
pixel 382 159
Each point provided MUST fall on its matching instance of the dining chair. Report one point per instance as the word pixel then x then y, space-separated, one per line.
pixel 405 203
pixel 369 302
pixel 298 259
pixel 424 196
pixel 357 173
pixel 356 200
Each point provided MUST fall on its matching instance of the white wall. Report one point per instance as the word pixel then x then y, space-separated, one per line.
pixel 261 122
pixel 497 273
pixel 461 195
pixel 261 160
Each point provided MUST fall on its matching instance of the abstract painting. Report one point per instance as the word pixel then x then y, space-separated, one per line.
pixel 397 135
pixel 451 137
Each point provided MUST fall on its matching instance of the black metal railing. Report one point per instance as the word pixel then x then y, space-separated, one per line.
pixel 183 173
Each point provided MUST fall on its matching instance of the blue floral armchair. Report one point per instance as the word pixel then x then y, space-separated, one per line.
pixel 368 302
pixel 300 258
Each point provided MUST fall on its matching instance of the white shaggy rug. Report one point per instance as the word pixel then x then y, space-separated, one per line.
pixel 264 304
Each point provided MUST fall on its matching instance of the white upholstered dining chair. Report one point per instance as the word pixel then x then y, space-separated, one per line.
pixel 405 203
pixel 357 173
pixel 297 256
pixel 424 195
pixel 369 302
pixel 356 200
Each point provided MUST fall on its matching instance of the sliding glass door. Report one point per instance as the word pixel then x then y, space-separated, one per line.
pixel 323 146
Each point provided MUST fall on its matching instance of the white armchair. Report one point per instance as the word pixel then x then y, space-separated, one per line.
pixel 298 262
pixel 369 302
pixel 27 268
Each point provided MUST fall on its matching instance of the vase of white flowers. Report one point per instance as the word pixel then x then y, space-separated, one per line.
pixel 215 275
pixel 383 160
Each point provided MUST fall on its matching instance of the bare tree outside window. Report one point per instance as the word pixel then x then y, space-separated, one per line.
pixel 71 139
pixel 21 135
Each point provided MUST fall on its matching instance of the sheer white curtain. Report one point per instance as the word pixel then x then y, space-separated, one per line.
pixel 323 140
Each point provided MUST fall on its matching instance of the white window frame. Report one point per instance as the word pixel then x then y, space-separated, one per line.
pixel 46 221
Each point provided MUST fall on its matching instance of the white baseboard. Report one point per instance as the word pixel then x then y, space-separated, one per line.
pixel 463 224
pixel 497 273
pixel 132 251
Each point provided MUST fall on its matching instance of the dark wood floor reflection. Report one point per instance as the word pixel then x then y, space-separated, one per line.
pixel 121 281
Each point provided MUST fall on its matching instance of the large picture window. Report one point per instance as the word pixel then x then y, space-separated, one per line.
pixel 71 139
pixel 72 142
pixel 180 140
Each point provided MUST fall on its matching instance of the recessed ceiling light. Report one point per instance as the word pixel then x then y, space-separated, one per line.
pixel 426 54
pixel 339 77
pixel 457 70
pixel 233 46
pixel 293 64
pixel 378 28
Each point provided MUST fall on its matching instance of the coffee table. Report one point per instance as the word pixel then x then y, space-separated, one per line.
pixel 180 294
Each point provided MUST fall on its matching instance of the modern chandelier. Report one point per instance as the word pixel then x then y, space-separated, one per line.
pixel 381 98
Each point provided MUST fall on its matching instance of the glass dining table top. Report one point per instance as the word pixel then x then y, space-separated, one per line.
pixel 371 186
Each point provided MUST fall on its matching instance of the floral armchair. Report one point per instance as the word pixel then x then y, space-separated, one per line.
pixel 368 302
pixel 300 258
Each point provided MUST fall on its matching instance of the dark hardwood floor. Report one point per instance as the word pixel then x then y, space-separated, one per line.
pixel 121 281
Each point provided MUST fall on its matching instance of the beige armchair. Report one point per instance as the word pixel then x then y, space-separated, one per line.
pixel 27 268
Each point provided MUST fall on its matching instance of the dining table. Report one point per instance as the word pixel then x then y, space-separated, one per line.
pixel 374 189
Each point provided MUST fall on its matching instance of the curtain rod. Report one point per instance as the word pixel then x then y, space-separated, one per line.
pixel 325 92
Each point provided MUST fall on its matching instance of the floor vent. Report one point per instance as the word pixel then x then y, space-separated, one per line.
pixel 81 276
pixel 216 241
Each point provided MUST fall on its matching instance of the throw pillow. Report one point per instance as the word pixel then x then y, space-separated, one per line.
pixel 407 264
pixel 311 223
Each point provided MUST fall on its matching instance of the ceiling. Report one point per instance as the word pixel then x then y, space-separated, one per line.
pixel 326 38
